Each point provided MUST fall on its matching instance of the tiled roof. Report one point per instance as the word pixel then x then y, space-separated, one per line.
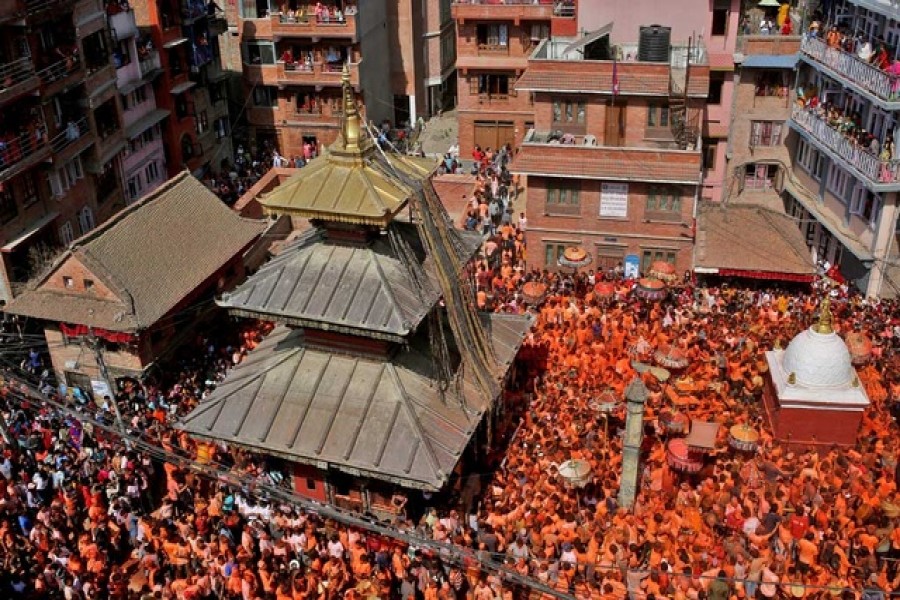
pixel 379 418
pixel 367 290
pixel 750 238
pixel 610 164
pixel 151 254
pixel 597 82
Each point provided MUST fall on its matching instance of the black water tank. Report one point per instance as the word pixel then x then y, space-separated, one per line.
pixel 653 45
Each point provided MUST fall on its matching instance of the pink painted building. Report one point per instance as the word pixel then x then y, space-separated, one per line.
pixel 713 24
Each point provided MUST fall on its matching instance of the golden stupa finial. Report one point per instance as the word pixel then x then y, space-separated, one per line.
pixel 825 318
pixel 350 127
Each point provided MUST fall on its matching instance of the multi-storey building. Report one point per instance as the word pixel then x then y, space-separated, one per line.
pixel 493 42
pixel 845 175
pixel 293 60
pixel 756 151
pixel 615 173
pixel 423 51
pixel 137 64
pixel 183 60
pixel 60 134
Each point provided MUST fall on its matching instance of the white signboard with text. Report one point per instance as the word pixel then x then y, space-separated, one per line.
pixel 614 200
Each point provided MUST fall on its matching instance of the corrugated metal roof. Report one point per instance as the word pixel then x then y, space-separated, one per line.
pixel 151 254
pixel 377 418
pixel 770 61
pixel 366 290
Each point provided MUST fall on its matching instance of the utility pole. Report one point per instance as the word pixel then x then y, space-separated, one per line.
pixel 104 374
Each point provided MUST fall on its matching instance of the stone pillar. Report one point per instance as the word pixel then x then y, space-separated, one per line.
pixel 635 396
pixel 882 250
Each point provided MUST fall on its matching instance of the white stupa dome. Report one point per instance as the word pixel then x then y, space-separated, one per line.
pixel 818 358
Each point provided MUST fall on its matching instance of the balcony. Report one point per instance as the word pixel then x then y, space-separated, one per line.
pixel 59 75
pixel 150 64
pixel 17 78
pixel 879 175
pixel 318 73
pixel 200 56
pixel 21 152
pixel 306 25
pixel 71 140
pixel 581 156
pixel 516 10
pixel 853 72
pixel 123 24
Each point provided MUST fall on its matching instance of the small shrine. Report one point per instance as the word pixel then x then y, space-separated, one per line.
pixel 813 394
pixel 381 376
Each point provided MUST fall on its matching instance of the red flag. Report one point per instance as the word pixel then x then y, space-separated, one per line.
pixel 615 78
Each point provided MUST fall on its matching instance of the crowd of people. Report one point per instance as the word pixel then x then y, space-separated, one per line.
pixel 83 515
pixel 241 174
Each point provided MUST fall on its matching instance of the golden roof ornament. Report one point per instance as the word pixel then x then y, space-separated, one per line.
pixel 350 126
pixel 824 326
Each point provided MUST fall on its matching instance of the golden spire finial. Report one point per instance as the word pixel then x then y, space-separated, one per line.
pixel 350 127
pixel 825 318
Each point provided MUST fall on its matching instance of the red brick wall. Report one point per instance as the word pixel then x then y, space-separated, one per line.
pixel 304 475
pixel 810 426
pixel 632 234
pixel 73 268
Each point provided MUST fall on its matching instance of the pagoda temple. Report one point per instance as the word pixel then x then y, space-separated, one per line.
pixel 380 376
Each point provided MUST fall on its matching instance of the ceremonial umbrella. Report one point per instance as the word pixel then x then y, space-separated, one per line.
pixel 860 347
pixel 671 358
pixel 534 292
pixel 574 257
pixel 663 270
pixel 650 289
pixel 575 472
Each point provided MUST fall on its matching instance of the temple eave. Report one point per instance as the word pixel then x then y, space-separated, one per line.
pixel 297 322
pixel 354 219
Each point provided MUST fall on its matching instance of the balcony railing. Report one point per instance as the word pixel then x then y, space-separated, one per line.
pixel 150 63
pixel 59 70
pixel 17 152
pixel 73 132
pixel 870 78
pixel 873 168
pixel 15 72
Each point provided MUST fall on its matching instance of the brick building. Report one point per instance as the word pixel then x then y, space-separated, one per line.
pixel 133 298
pixel 615 174
pixel 493 43
pixel 422 40
pixel 61 131
pixel 292 69
pixel 184 62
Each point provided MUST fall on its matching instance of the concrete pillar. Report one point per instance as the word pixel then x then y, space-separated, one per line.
pixel 635 396
pixel 412 110
pixel 882 247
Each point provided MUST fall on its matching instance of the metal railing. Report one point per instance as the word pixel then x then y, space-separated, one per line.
pixel 873 168
pixel 871 78
pixel 149 63
pixel 15 72
pixel 59 70
pixel 73 132
pixel 20 149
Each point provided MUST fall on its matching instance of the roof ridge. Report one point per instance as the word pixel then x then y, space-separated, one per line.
pixel 109 278
pixel 388 290
pixel 405 402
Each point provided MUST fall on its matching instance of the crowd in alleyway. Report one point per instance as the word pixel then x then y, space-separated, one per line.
pixel 248 166
pixel 83 516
